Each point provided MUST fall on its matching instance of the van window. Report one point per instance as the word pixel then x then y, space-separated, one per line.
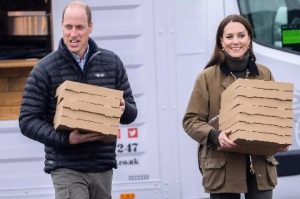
pixel 276 23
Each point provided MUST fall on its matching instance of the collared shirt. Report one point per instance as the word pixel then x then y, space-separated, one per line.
pixel 81 62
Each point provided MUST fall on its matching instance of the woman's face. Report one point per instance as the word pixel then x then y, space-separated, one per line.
pixel 235 40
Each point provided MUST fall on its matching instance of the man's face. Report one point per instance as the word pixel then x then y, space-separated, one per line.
pixel 76 29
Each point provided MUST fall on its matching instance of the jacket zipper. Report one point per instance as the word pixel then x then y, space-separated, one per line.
pixel 83 77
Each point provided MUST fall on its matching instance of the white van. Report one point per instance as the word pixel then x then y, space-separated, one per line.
pixel 164 44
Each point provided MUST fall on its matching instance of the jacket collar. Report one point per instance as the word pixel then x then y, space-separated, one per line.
pixel 93 48
pixel 63 50
pixel 251 66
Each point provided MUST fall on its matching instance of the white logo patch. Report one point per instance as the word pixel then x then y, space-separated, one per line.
pixel 99 75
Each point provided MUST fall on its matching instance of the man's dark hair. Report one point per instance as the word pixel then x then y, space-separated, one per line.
pixel 87 9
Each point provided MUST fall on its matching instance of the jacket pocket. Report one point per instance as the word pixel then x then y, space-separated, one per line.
pixel 271 170
pixel 213 173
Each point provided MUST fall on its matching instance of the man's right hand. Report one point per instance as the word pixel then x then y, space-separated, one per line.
pixel 77 138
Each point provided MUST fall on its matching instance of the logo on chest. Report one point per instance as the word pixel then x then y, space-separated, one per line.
pixel 100 75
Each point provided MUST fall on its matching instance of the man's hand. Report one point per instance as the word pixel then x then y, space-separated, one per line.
pixel 122 105
pixel 76 137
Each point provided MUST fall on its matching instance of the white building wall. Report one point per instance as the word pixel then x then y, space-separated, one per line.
pixel 164 44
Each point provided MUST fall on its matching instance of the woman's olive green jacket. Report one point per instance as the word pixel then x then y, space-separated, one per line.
pixel 223 172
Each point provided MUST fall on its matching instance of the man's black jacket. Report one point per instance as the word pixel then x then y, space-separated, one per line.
pixel 103 68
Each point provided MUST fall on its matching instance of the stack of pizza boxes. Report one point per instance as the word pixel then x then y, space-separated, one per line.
pixel 259 114
pixel 88 108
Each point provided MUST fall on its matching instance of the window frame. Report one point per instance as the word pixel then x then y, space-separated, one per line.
pixel 246 5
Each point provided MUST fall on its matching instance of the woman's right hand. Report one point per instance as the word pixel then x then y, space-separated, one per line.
pixel 224 141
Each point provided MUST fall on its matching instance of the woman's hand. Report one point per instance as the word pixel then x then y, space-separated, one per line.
pixel 224 141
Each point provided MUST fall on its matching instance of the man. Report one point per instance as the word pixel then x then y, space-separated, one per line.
pixel 80 164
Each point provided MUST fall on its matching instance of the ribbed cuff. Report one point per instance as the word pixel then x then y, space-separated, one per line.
pixel 213 136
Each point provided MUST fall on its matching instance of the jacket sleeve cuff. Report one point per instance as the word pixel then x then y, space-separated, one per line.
pixel 213 137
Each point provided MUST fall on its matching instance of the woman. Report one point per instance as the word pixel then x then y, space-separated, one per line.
pixel 227 174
